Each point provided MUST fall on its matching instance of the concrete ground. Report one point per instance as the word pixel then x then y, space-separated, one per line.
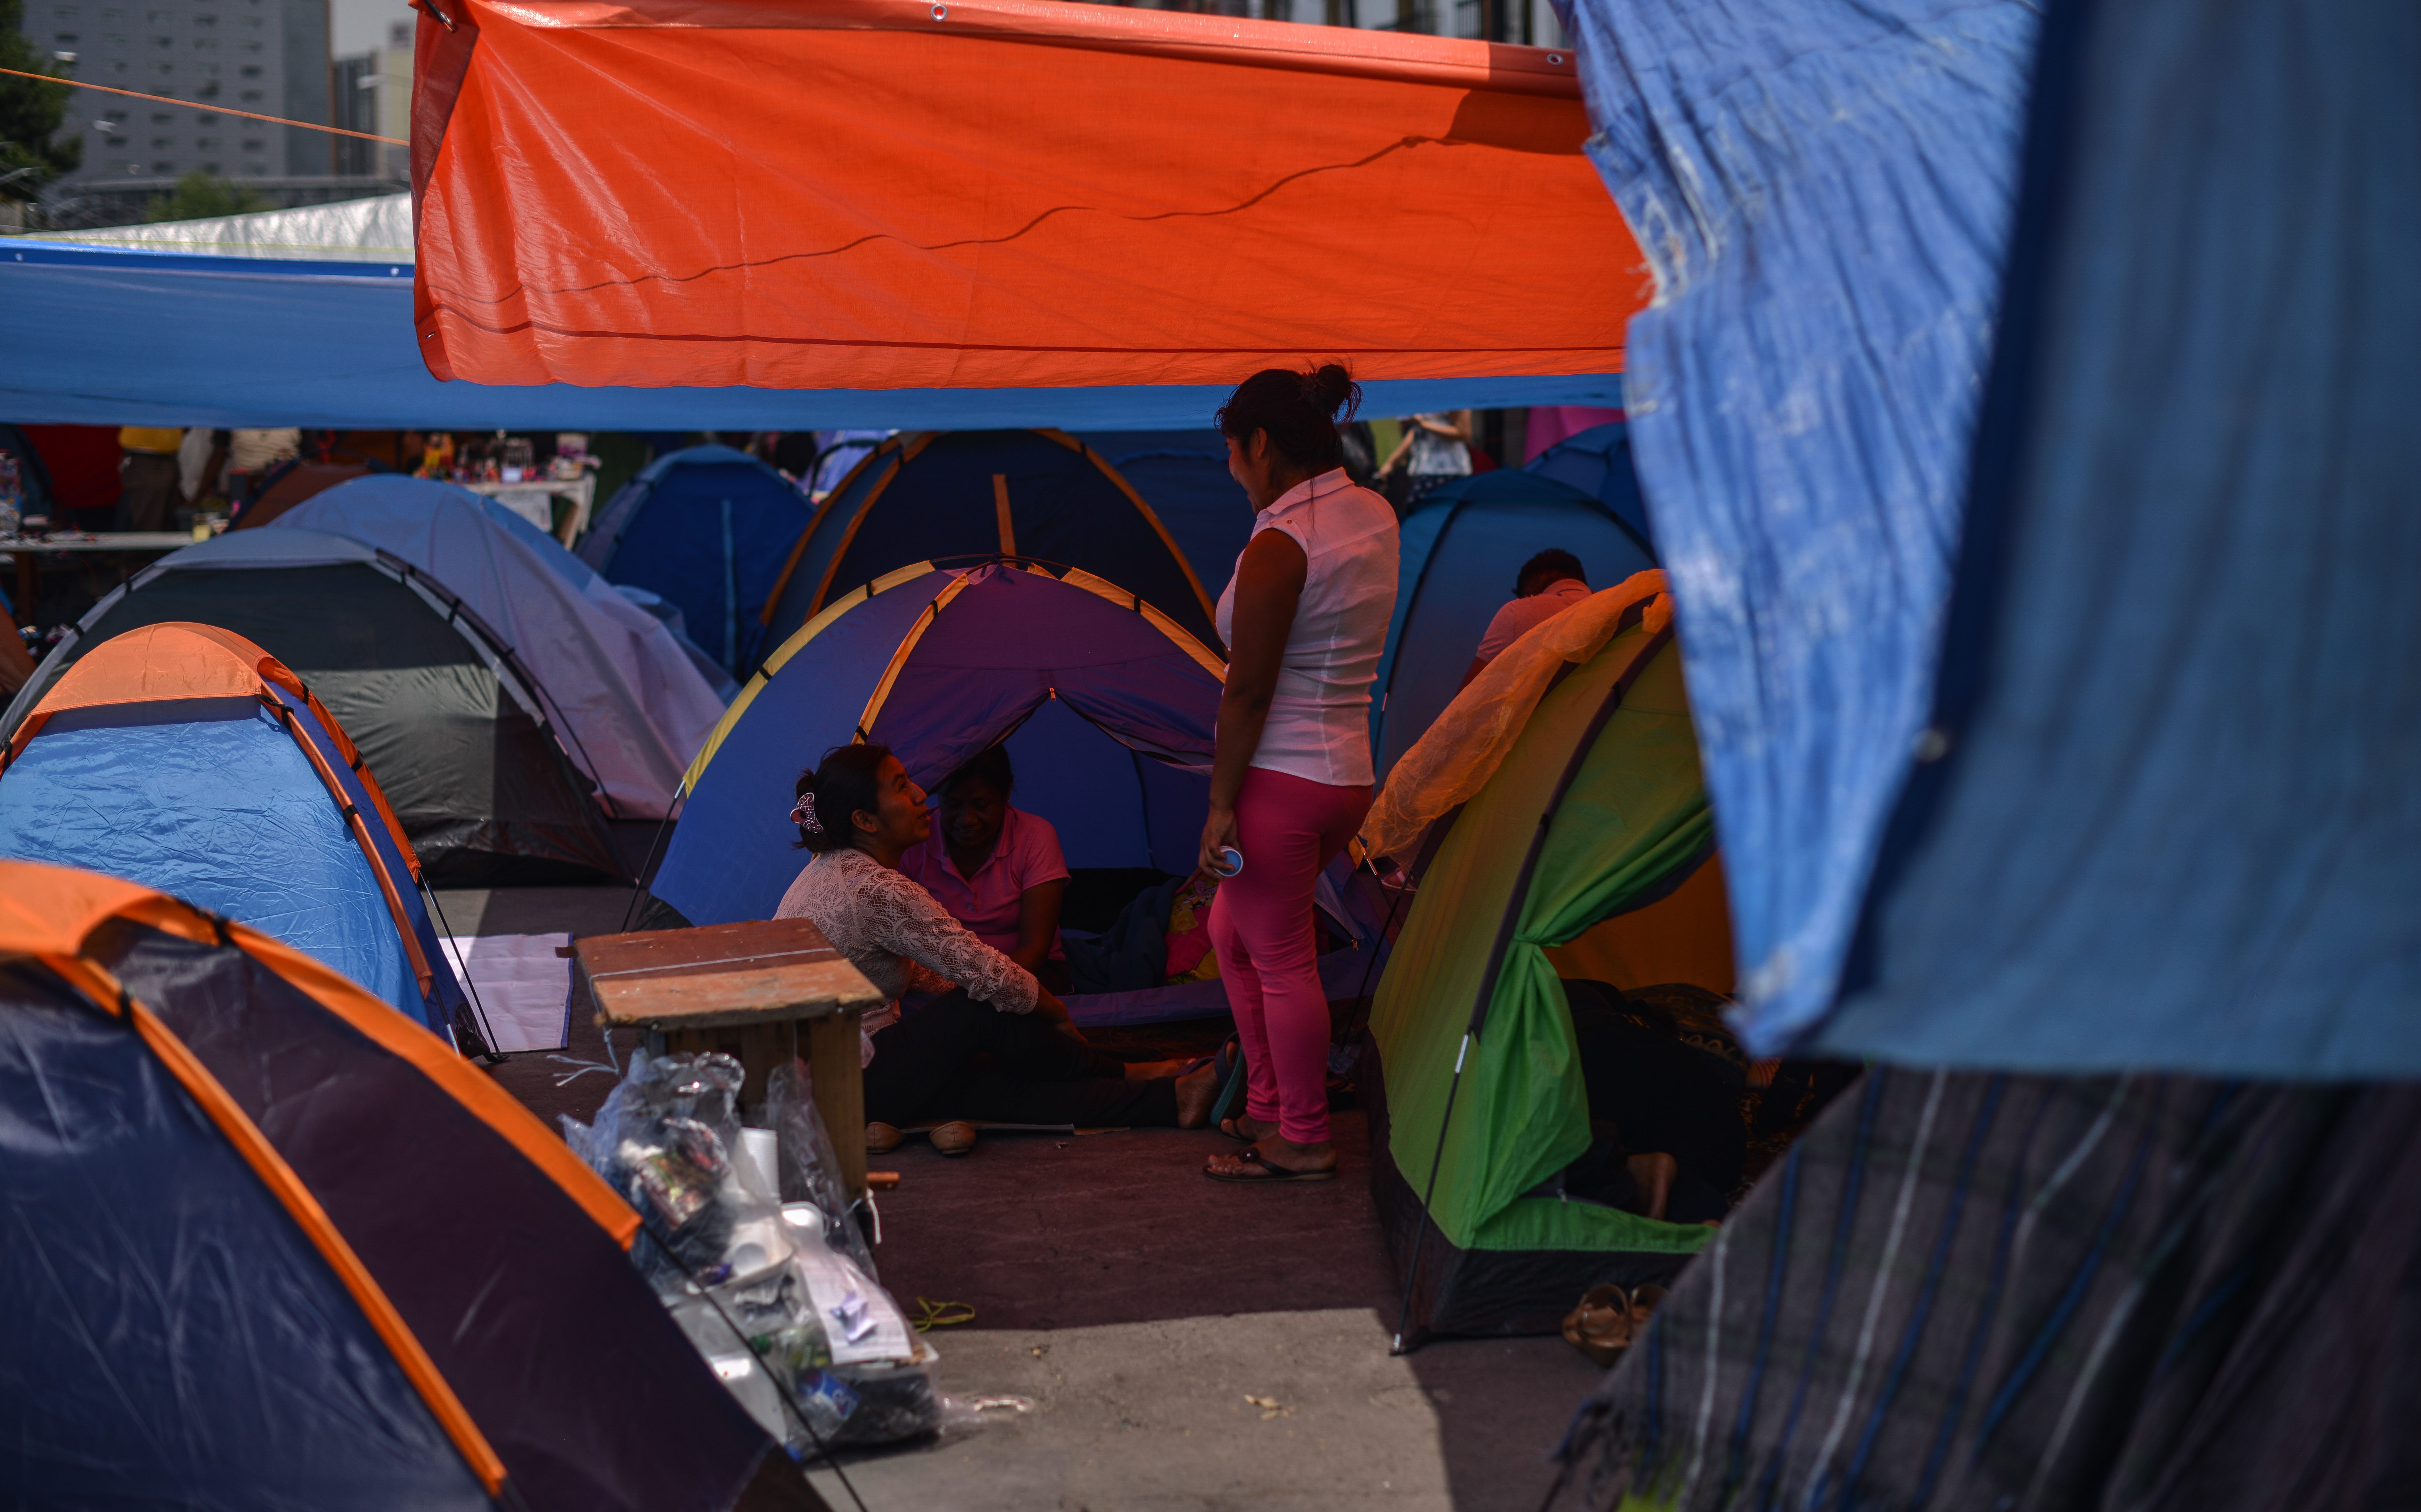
pixel 1185 1345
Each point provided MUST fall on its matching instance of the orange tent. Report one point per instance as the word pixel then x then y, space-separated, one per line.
pixel 984 194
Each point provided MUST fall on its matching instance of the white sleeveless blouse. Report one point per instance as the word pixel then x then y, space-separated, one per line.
pixel 1319 718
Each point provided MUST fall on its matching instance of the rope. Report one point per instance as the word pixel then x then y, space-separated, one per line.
pixel 215 110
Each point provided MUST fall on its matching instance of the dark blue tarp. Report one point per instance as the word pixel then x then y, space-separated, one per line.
pixel 1822 189
pixel 1459 554
pixel 2178 820
pixel 101 336
pixel 1183 476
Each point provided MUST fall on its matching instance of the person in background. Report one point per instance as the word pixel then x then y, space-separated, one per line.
pixel 1436 450
pixel 997 869
pixel 1305 617
pixel 252 453
pixel 993 1043
pixel 1548 584
pixel 148 492
pixel 200 457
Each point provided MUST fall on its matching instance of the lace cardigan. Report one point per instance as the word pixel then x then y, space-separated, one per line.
pixel 894 932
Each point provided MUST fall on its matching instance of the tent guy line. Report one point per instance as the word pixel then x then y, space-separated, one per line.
pixel 215 110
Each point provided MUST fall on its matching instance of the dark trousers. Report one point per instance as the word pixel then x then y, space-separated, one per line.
pixel 958 1058
pixel 1662 1094
pixel 148 494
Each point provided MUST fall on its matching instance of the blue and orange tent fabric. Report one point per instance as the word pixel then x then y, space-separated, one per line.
pixel 185 757
pixel 1107 706
pixel 270 1246
pixel 1039 494
pixel 899 194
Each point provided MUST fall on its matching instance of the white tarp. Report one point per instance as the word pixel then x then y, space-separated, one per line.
pixel 356 231
pixel 627 693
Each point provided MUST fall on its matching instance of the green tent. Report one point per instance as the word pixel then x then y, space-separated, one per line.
pixel 1597 811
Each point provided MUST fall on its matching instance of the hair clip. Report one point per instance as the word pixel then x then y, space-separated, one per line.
pixel 803 813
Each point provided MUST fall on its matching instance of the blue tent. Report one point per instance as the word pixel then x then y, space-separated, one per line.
pixel 186 758
pixel 1183 476
pixel 706 529
pixel 1598 463
pixel 1461 552
pixel 1108 706
pixel 932 495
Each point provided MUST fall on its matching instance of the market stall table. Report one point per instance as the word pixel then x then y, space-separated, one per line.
pixel 533 500
pixel 747 991
pixel 23 549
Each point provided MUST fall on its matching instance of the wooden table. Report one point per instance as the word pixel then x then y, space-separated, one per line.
pixel 580 493
pixel 745 989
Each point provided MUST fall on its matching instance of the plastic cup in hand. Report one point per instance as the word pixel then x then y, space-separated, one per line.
pixel 1231 861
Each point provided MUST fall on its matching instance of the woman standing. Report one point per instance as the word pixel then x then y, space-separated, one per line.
pixel 1305 618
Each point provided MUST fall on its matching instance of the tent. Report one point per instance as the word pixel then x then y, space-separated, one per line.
pixel 188 759
pixel 1587 853
pixel 708 529
pixel 634 707
pixel 1598 463
pixel 1108 706
pixel 1461 550
pixel 1037 493
pixel 1183 476
pixel 455 727
pixel 270 1246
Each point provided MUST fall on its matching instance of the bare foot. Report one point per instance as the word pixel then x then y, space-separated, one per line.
pixel 1246 1128
pixel 1277 1153
pixel 1654 1174
pixel 1194 1095
pixel 1152 1071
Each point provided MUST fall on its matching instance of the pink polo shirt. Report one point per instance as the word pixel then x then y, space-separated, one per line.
pixel 1521 617
pixel 1025 855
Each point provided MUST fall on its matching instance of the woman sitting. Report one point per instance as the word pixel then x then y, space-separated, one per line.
pixel 996 868
pixel 994 1045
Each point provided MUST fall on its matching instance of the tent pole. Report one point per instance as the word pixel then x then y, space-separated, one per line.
pixel 1421 1232
pixel 639 883
pixel 486 1028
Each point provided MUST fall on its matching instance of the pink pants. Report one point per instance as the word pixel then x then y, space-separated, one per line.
pixel 1287 828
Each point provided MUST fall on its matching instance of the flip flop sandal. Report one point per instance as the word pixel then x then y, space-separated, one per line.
pixel 1227 1126
pixel 1602 1326
pixel 1230 1099
pixel 1252 1161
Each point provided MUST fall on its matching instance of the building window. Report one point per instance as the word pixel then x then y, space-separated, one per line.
pixel 161 118
pixel 252 70
pixel 251 47
pixel 206 120
pixel 206 44
pixel 113 15
pixel 164 41
pixel 210 89
pixel 210 167
pixel 207 70
pixel 252 96
pixel 118 141
pixel 251 146
pixel 205 20
pixel 162 143
pixel 162 166
pixel 206 144
pixel 66 37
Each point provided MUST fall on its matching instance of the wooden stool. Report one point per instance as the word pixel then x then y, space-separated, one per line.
pixel 744 989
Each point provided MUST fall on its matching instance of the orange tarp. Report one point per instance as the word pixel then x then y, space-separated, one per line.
pixel 889 193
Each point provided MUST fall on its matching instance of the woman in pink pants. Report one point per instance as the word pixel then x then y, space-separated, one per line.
pixel 1305 617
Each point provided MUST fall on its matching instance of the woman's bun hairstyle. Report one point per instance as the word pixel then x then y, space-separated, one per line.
pixel 1298 410
pixel 834 791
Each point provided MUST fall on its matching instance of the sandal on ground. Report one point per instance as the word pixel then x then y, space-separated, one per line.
pixel 1233 1130
pixel 1262 1170
pixel 881 1139
pixel 954 1138
pixel 1608 1319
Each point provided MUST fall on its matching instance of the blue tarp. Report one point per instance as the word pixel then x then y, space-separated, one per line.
pixel 1459 553
pixel 1822 189
pixel 2178 822
pixel 101 336
pixel 1183 476
pixel 211 801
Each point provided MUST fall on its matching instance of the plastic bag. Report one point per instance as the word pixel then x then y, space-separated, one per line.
pixel 810 1168
pixel 792 1323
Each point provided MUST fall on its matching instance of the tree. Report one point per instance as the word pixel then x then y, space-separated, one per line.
pixel 201 197
pixel 30 111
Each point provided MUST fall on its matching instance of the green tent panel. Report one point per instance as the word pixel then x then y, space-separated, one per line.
pixel 1609 763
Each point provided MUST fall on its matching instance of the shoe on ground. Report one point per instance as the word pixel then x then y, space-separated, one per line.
pixel 881 1139
pixel 954 1138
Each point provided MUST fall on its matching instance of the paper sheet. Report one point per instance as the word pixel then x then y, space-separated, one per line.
pixel 521 988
